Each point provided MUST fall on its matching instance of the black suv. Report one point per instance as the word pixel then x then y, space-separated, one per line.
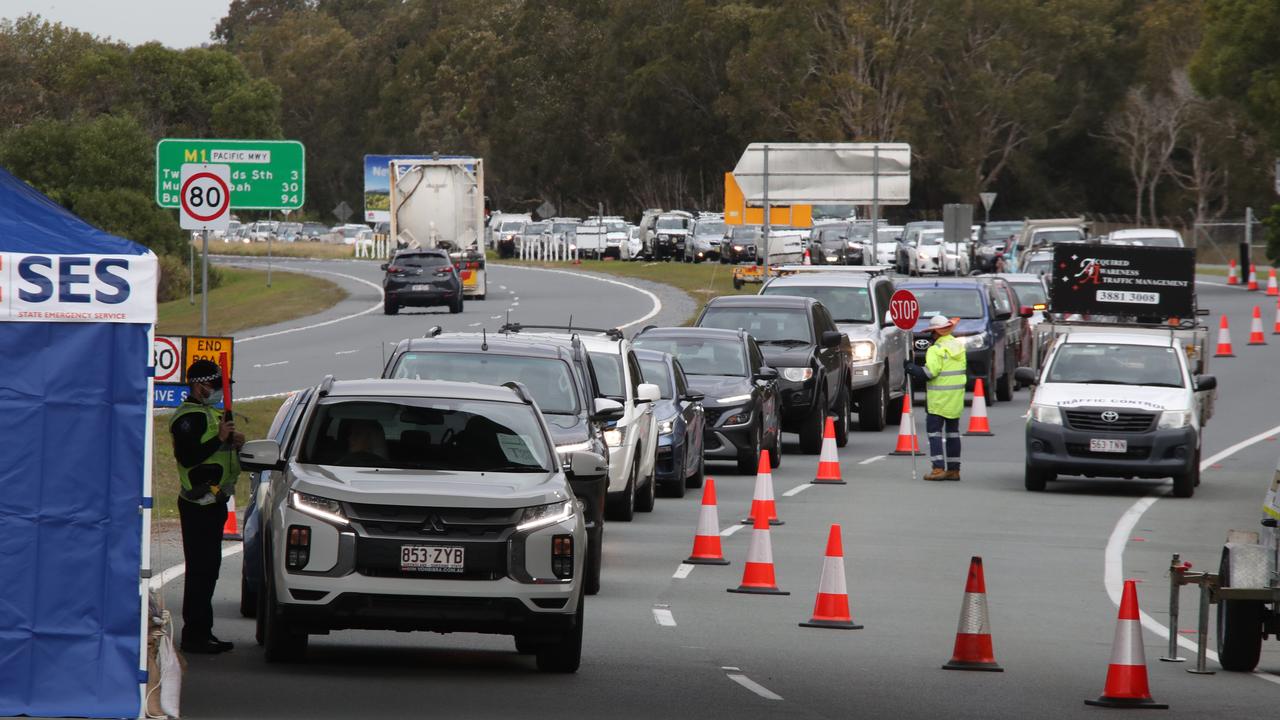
pixel 421 278
pixel 562 383
pixel 801 341
pixel 740 392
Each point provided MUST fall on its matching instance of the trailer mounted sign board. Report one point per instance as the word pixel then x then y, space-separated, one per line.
pixel 1124 280
pixel 265 174
pixel 173 354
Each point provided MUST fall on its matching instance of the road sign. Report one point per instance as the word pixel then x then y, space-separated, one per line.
pixel 205 197
pixel 343 212
pixel 904 310
pixel 988 199
pixel 166 356
pixel 545 210
pixel 825 173
pixel 265 174
pixel 210 348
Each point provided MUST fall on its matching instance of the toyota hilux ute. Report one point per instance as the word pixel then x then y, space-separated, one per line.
pixel 421 505
pixel 1117 405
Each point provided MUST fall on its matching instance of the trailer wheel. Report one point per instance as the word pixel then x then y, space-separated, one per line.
pixel 1239 627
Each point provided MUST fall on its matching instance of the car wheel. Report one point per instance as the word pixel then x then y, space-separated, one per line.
pixel 1184 484
pixel 842 418
pixel 873 407
pixel 623 507
pixel 248 599
pixel 989 386
pixel 749 460
pixel 595 559
pixel 737 284
pixel 646 498
pixel 1035 480
pixel 1240 627
pixel 455 307
pixel 893 413
pixel 775 450
pixel 479 297
pixel 565 655
pixel 1004 388
pixel 280 640
pixel 699 476
pixel 811 431
pixel 524 646
pixel 390 307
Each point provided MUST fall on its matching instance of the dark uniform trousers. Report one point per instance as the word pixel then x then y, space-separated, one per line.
pixel 202 549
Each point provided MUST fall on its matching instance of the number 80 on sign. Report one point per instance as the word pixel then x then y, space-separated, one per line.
pixel 205 197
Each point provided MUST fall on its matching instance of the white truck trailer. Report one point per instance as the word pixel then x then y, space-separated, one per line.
pixel 439 203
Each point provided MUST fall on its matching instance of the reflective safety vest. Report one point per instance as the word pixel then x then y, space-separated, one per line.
pixel 945 365
pixel 224 458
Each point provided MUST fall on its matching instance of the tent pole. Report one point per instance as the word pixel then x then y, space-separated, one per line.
pixel 204 283
pixel 144 581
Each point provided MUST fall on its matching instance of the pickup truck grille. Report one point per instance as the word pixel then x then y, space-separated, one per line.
pixel 426 523
pixel 1102 420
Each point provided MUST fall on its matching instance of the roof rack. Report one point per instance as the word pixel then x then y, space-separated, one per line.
pixel 520 390
pixel 613 333
pixel 860 269
pixel 326 385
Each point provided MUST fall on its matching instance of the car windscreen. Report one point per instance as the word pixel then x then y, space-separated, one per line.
pixel 709 228
pixel 1053 237
pixel 846 304
pixel 1116 364
pixel 549 380
pixel 657 372
pixel 930 238
pixel 536 228
pixel 671 223
pixel 1155 241
pixel 615 226
pixel 1037 267
pixel 420 261
pixel 949 302
pixel 1030 293
pixel 726 358
pixel 609 378
pixel 426 434
pixel 511 226
pixel 1000 231
pixel 744 234
pixel 769 326
pixel 563 227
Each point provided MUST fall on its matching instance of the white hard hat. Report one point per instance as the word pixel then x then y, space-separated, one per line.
pixel 940 322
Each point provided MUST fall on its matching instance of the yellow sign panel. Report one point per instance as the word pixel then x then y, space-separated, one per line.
pixel 211 348
pixel 736 211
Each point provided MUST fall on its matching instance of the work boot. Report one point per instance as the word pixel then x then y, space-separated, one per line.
pixel 208 646
pixel 952 475
pixel 936 474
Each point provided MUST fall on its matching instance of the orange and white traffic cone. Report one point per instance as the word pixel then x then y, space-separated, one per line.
pixel 1255 328
pixel 1253 277
pixel 757 575
pixel 706 539
pixel 1224 340
pixel 908 443
pixel 829 458
pixel 973 649
pixel 807 259
pixel 1232 277
pixel 231 528
pixel 762 502
pixel 1272 288
pixel 1127 674
pixel 979 423
pixel 1276 330
pixel 831 609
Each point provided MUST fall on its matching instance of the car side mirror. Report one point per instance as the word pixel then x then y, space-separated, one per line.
pixel 766 374
pixel 887 320
pixel 1003 315
pixel 607 410
pixel 261 455
pixel 694 397
pixel 1026 376
pixel 384 267
pixel 831 338
pixel 648 393
pixel 1026 311
pixel 584 463
pixel 1206 382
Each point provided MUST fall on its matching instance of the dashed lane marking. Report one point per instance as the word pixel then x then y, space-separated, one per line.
pixel 475 324
pixel 495 317
pixel 346 352
pixel 870 460
pixel 682 571
pixel 731 530
pixel 663 617
pixel 754 686
pixel 797 490
pixel 271 364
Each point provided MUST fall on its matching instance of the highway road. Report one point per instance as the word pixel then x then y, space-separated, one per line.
pixel 663 643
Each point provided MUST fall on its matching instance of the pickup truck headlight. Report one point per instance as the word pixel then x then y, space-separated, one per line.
pixel 1047 414
pixel 863 350
pixel 564 450
pixel 319 507
pixel 974 342
pixel 613 438
pixel 795 374
pixel 540 516
pixel 666 427
pixel 737 248
pixel 1174 419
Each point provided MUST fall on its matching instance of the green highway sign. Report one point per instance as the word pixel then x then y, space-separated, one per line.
pixel 265 174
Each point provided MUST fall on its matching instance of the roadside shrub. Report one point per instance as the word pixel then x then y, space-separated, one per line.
pixel 174 280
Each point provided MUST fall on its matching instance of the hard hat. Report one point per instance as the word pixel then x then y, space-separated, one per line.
pixel 938 322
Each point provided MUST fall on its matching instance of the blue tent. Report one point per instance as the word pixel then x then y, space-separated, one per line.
pixel 77 309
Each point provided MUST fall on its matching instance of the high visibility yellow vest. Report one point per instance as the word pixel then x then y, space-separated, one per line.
pixel 225 458
pixel 945 364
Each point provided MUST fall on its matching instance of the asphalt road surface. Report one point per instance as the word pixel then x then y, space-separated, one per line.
pixel 663 644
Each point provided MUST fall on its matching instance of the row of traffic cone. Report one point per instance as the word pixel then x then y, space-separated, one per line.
pixel 1256 336
pixel 1272 287
pixel 979 421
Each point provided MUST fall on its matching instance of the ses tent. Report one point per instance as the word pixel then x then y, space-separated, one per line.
pixel 77 309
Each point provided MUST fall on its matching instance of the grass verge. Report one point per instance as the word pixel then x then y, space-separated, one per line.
pixel 253 418
pixel 326 251
pixel 244 300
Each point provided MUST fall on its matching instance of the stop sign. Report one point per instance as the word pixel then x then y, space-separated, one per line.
pixel 904 310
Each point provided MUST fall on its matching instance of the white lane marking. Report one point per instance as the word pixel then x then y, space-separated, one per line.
pixel 731 530
pixel 376 306
pixel 267 396
pixel 870 460
pixel 515 297
pixel 346 352
pixel 177 571
pixel 797 490
pixel 515 304
pixel 682 571
pixel 657 304
pixel 272 364
pixel 1113 568
pixel 475 324
pixel 502 287
pixel 663 617
pixel 730 667
pixel 495 317
pixel 754 686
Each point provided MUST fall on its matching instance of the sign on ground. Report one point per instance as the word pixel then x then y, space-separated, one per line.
pixel 265 174
pixel 173 354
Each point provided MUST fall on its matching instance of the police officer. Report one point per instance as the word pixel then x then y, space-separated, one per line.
pixel 944 374
pixel 204 445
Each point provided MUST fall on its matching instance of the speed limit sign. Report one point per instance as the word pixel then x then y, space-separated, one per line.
pixel 205 195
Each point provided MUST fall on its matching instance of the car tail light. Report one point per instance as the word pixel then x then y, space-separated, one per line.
pixel 395 270
pixel 298 547
pixel 445 271
pixel 562 556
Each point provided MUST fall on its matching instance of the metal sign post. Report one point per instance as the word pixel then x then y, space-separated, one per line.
pixel 764 240
pixel 875 189
pixel 191 269
pixel 204 282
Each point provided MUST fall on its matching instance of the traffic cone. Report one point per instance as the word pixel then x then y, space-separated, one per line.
pixel 908 443
pixel 1224 340
pixel 1232 278
pixel 828 459
pixel 1127 674
pixel 807 260
pixel 231 528
pixel 973 649
pixel 1272 289
pixel 1253 277
pixel 1276 330
pixel 762 502
pixel 979 424
pixel 1255 328
pixel 706 539
pixel 831 609
pixel 757 575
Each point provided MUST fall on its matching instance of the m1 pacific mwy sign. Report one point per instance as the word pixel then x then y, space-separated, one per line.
pixel 265 174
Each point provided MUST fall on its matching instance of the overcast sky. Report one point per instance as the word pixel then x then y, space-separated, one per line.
pixel 176 23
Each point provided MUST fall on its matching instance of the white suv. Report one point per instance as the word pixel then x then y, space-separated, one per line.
pixel 633 439
pixel 421 505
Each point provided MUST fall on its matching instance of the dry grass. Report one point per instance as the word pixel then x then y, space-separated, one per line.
pixel 326 251
pixel 244 301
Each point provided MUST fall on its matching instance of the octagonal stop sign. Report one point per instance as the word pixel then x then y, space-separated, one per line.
pixel 904 310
